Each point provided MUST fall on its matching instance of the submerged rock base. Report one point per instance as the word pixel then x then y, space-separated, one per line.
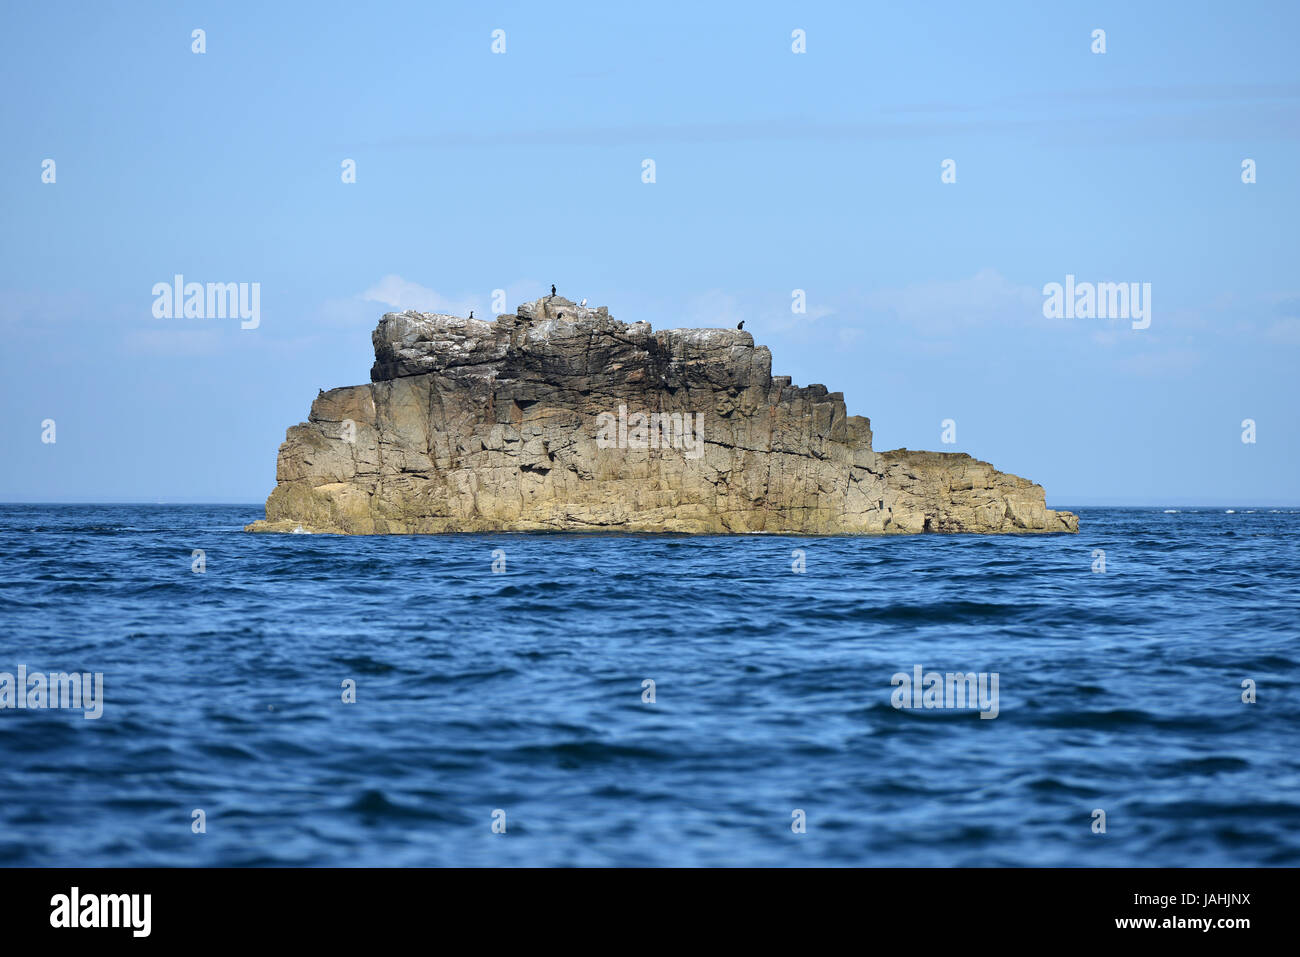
pixel 559 417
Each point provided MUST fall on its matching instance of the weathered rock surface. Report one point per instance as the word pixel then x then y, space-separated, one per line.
pixel 470 425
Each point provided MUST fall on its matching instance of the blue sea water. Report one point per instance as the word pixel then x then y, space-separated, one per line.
pixel 521 691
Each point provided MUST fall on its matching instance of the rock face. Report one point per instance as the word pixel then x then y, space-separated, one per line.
pixel 559 417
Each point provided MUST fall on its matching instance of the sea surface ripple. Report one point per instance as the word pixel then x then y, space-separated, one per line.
pixel 522 691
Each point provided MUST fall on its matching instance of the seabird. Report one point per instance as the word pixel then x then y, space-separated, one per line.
pixel 583 303
pixel 471 313
pixel 552 289
pixel 741 324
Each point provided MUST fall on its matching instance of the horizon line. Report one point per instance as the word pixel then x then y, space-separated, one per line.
pixel 1094 504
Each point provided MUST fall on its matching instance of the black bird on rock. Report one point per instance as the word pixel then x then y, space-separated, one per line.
pixel 552 289
pixel 741 324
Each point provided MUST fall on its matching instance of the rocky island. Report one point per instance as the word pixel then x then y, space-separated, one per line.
pixel 560 418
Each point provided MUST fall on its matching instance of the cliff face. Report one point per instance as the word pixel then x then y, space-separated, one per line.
pixel 562 418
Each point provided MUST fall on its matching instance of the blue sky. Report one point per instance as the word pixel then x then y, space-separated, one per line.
pixel 775 171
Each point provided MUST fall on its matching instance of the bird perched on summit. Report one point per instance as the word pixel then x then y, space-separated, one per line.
pixel 741 324
pixel 584 302
pixel 552 289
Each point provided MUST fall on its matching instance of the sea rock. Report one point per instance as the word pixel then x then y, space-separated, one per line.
pixel 532 421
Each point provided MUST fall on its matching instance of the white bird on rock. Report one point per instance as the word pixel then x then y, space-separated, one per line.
pixel 583 303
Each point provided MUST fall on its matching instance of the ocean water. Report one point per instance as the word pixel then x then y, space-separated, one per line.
pixel 520 692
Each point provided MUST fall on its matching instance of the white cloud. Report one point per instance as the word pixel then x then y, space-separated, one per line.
pixel 37 307
pixel 1285 331
pixel 393 293
pixel 1169 362
pixel 713 309
pixel 402 294
pixel 944 306
pixel 173 342
pixel 764 314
